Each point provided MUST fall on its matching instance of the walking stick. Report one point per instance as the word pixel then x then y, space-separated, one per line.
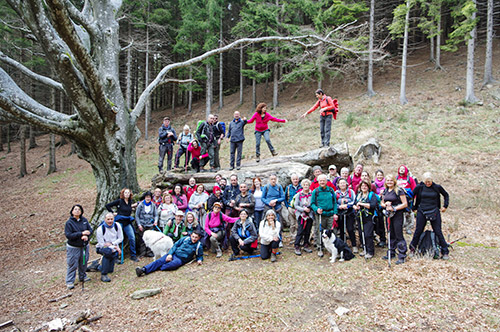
pixel 345 229
pixel 84 262
pixel 158 228
pixel 362 232
pixel 389 238
pixel 319 235
pixel 121 258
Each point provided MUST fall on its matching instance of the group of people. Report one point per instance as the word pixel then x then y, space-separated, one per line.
pixel 241 216
pixel 203 146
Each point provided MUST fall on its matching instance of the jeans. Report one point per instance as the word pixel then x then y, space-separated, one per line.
pixel 436 227
pixel 162 264
pixel 233 146
pixel 130 234
pixel 257 218
pixel 258 135
pixel 75 261
pixel 165 149
pixel 325 125
pixel 108 260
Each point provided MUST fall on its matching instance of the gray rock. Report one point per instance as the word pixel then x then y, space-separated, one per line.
pixel 140 294
pixel 369 150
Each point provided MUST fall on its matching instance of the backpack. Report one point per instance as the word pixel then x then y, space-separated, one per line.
pixel 379 207
pixel 201 123
pixel 104 228
pixel 427 245
pixel 222 127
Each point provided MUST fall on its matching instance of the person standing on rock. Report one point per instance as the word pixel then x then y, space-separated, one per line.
pixel 236 136
pixel 166 137
pixel 206 137
pixel 261 118
pixel 328 108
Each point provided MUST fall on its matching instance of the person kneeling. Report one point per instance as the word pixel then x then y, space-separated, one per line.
pixel 269 232
pixel 109 237
pixel 243 235
pixel 181 253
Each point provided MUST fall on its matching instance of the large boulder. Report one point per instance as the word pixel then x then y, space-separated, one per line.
pixel 283 166
pixel 371 149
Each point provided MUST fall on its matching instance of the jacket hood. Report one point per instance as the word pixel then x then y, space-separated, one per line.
pixel 405 173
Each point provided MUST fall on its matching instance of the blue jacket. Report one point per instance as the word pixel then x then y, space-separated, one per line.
pixel 236 131
pixel 290 192
pixel 273 192
pixel 185 250
pixel 163 137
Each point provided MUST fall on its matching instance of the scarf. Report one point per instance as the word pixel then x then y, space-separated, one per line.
pixel 179 200
pixel 112 225
pixel 379 185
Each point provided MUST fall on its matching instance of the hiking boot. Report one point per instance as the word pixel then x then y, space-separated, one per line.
pixel 320 253
pixel 354 250
pixel 274 153
pixel 400 261
pixel 139 271
pixel 381 244
pixel 281 244
pixel 219 253
pixel 368 256
pixel 231 168
pixel 94 266
pixel 150 254
pixel 86 279
pixel 134 259
pixel 307 249
pixel 445 257
pixel 297 251
pixel 238 168
pixel 387 257
pixel 257 158
pixel 70 286
pixel 362 253
pixel 233 257
pixel 105 278
pixel 412 252
pixel 409 232
pixel 273 257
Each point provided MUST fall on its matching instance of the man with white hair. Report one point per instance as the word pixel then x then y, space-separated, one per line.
pixel 236 137
pixel 109 237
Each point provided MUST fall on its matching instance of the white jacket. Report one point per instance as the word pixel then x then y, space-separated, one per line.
pixel 267 233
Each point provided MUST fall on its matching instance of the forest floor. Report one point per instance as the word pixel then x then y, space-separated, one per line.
pixel 434 132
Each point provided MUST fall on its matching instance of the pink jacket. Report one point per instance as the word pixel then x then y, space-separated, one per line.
pixel 215 221
pixel 261 123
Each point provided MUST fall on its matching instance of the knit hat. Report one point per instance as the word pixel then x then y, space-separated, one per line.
pixel 216 188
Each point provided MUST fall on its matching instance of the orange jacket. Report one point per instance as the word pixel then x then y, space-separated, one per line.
pixel 331 105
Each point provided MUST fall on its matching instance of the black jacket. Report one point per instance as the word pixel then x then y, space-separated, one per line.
pixel 73 231
pixel 163 137
pixel 437 188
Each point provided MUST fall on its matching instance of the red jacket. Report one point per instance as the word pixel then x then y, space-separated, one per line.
pixel 315 184
pixel 405 181
pixel 261 122
pixel 331 105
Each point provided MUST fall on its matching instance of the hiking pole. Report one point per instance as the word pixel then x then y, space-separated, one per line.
pixel 121 258
pixel 362 232
pixel 158 228
pixel 463 237
pixel 345 228
pixel 84 262
pixel 320 239
pixel 389 242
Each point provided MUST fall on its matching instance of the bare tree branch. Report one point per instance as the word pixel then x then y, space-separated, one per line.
pixel 173 80
pixel 37 77
pixel 128 46
pixel 78 17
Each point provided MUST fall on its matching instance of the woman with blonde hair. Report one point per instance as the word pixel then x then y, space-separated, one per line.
pixel 166 211
pixel 192 224
pixel 269 232
pixel 261 118
pixel 394 202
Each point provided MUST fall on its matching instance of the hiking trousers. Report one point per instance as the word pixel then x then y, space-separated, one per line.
pixel 167 149
pixel 233 147
pixel 397 239
pixel 74 261
pixel 325 126
pixel 163 265
pixel 436 227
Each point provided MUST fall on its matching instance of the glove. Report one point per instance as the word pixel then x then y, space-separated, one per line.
pixel 335 224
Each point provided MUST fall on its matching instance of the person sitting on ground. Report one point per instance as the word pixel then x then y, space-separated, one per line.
pixel 109 236
pixel 157 197
pixel 78 231
pixel 183 140
pixel 215 196
pixel 332 175
pixel 192 224
pixel 290 191
pixel 243 235
pixel 256 191
pixel 223 184
pixel 217 178
pixel 305 217
pixel 355 179
pixel 181 253
pixel 428 207
pixel 393 200
pixel 365 205
pixel 175 228
pixel 345 200
pixel 179 198
pixel 269 233
pixel 229 196
pixel 245 200
pixel 236 137
pixel 261 118
pixel 197 202
pixel 124 206
pixel 406 182
pixel 147 219
pixel 166 211
pixel 215 228
pixel 190 188
pixel 317 171
pixel 324 205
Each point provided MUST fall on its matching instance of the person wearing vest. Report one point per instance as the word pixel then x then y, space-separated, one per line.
pixel 166 139
pixel 109 236
pixel 328 108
